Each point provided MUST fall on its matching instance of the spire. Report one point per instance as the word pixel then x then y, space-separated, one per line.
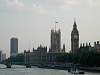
pixel 74 26
pixel 74 21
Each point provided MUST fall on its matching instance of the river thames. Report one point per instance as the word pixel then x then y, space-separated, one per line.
pixel 21 70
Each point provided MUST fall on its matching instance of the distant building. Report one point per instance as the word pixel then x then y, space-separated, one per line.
pixel 0 56
pixel 63 50
pixel 55 41
pixel 86 48
pixel 97 46
pixel 3 56
pixel 13 46
pixel 36 57
pixel 74 39
pixel 40 56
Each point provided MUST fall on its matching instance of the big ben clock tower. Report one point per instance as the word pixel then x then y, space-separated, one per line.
pixel 74 39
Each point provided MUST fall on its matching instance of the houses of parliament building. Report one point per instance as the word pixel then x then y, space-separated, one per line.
pixel 42 56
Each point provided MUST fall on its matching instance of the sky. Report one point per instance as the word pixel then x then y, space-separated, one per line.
pixel 31 22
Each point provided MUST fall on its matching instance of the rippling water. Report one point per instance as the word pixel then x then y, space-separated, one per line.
pixel 21 70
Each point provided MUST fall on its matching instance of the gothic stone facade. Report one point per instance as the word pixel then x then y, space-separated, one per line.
pixel 74 39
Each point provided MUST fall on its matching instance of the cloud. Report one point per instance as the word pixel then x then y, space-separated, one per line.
pixel 15 3
pixel 39 9
pixel 94 3
pixel 72 2
pixel 52 6
pixel 47 6
pixel 11 4
pixel 2 3
pixel 97 3
pixel 41 6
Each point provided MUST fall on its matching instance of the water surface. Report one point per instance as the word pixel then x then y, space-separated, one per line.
pixel 21 70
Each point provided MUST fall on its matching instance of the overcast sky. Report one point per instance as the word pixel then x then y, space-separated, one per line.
pixel 31 21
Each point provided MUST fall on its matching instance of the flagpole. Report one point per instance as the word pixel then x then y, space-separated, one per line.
pixel 55 24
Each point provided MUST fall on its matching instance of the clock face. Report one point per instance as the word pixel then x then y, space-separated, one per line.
pixel 75 36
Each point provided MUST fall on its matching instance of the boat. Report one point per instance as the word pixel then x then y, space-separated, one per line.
pixel 8 66
pixel 81 72
pixel 76 72
pixel 28 66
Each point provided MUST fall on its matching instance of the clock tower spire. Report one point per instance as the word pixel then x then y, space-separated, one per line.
pixel 74 39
